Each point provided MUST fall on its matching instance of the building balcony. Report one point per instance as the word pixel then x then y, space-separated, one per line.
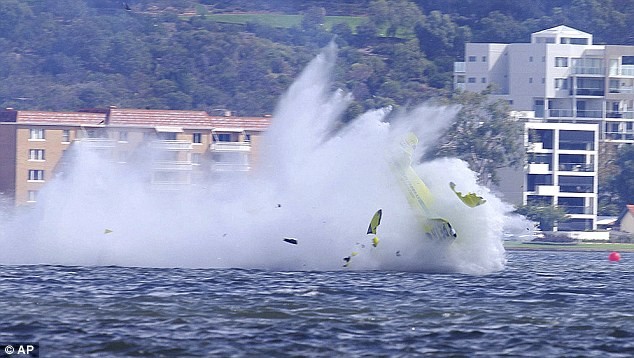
pixel 539 168
pixel 96 143
pixel 576 167
pixel 588 92
pixel 547 190
pixel 230 167
pixel 537 147
pixel 459 67
pixel 588 70
pixel 571 209
pixel 172 165
pixel 576 145
pixel 622 89
pixel 230 147
pixel 171 145
pixel 625 70
pixel 620 114
pixel 624 136
pixel 578 188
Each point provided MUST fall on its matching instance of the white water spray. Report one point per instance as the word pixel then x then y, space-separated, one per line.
pixel 314 184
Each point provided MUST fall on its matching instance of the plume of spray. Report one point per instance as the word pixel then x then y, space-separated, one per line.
pixel 314 182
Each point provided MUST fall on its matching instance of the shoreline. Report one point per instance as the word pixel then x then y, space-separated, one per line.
pixel 605 247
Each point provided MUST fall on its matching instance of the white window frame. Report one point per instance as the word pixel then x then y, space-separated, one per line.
pixel 36 155
pixel 66 136
pixel 561 61
pixel 37 134
pixel 36 175
pixel 32 196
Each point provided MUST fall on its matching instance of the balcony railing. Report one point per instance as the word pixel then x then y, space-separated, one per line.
pixel 619 136
pixel 230 146
pixel 539 168
pixel 230 167
pixel 548 190
pixel 590 113
pixel 179 145
pixel 588 70
pixel 559 113
pixel 576 167
pixel 573 209
pixel 622 89
pixel 172 165
pixel 97 143
pixel 576 146
pixel 578 188
pixel 598 92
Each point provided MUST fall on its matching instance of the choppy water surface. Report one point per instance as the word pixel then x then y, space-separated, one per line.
pixel 542 304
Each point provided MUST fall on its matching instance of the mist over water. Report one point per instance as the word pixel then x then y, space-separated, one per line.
pixel 314 182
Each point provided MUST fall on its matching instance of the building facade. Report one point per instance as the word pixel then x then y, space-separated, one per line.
pixel 182 146
pixel 570 91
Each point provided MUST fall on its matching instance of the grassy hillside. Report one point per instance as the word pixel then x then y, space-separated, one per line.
pixel 283 21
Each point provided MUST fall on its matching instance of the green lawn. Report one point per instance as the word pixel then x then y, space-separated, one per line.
pixel 283 21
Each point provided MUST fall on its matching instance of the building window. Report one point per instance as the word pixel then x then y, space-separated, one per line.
pixel 195 158
pixel 37 175
pixel 122 157
pixel 543 80
pixel 65 136
pixel 224 137
pixel 484 59
pixel 460 79
pixel 36 154
pixel 32 196
pixel 543 58
pixel 247 137
pixel 530 59
pixel 36 134
pixel 484 80
pixel 530 80
pixel 197 138
pixel 472 59
pixel 561 61
pixel 561 83
pixel 472 80
pixel 123 136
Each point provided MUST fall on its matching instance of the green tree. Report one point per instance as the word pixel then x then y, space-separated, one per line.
pixel 314 18
pixel 547 215
pixel 396 15
pixel 484 135
pixel 623 182
pixel 439 35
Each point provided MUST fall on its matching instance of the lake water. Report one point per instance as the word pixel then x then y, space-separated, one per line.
pixel 544 304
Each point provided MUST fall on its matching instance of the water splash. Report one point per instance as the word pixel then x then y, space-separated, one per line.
pixel 314 182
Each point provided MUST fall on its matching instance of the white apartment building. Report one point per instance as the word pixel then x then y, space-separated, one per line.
pixel 569 88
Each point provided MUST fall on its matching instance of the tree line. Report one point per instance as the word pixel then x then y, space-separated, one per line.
pixel 168 54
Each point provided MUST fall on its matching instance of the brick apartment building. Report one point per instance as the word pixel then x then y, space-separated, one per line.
pixel 182 145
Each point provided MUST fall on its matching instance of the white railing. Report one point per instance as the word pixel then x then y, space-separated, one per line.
pixel 230 146
pixel 171 145
pixel 172 165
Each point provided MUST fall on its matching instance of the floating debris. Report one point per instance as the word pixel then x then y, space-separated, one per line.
pixel 290 240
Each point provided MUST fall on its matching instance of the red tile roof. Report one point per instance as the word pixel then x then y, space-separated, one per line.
pixel 630 208
pixel 140 118
pixel 61 118
pixel 246 123
pixel 153 118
